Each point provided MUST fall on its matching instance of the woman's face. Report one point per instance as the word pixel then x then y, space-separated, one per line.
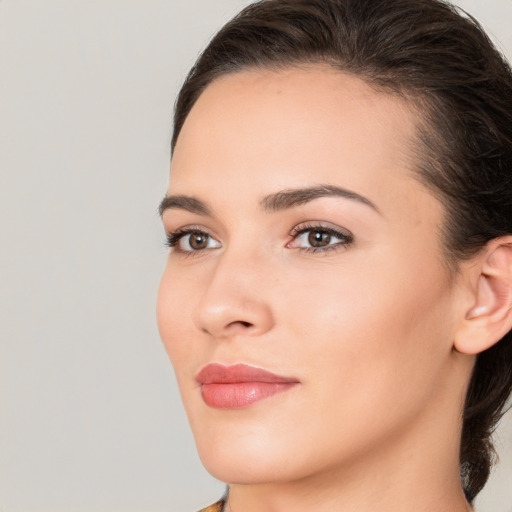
pixel 302 245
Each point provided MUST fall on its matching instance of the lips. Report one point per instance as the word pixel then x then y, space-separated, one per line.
pixel 240 385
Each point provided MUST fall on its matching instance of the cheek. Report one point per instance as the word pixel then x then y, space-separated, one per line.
pixel 175 300
pixel 373 334
pixel 173 317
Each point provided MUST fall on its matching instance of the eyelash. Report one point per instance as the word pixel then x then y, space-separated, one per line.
pixel 173 238
pixel 345 236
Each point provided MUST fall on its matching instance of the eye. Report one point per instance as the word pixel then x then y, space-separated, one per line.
pixel 191 240
pixel 315 238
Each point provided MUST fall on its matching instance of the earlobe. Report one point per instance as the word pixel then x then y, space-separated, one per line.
pixel 490 316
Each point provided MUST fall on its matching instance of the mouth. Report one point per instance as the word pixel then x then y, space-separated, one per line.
pixel 240 385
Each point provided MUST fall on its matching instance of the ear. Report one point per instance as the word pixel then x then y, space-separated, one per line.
pixel 489 317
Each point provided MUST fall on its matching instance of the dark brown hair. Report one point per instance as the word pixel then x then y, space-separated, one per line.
pixel 440 59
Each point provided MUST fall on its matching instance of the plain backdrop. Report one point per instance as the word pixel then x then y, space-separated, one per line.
pixel 90 415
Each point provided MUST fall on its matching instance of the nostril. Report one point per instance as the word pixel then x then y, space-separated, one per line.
pixel 238 326
pixel 240 323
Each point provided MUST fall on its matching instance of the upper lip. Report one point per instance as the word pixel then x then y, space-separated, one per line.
pixel 220 374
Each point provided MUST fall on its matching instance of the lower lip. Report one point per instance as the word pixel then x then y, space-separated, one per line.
pixel 241 394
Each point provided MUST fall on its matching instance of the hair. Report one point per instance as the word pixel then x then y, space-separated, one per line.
pixel 439 59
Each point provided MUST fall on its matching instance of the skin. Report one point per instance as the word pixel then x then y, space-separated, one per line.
pixel 367 327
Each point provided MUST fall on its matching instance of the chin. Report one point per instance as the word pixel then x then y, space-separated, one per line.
pixel 251 457
pixel 245 468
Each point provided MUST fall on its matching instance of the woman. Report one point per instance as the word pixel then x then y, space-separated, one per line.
pixel 338 295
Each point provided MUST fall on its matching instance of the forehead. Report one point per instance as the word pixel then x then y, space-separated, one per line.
pixel 309 124
pixel 293 112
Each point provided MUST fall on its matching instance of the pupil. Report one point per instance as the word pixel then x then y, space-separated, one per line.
pixel 198 241
pixel 319 238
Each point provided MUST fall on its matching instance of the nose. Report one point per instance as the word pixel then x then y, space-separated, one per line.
pixel 234 302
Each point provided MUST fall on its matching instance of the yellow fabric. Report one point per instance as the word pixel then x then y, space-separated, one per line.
pixel 216 507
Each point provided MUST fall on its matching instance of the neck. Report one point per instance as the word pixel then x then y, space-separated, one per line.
pixel 349 495
pixel 416 472
pixel 356 493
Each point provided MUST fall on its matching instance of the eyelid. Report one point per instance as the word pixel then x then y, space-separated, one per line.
pixel 174 237
pixel 344 235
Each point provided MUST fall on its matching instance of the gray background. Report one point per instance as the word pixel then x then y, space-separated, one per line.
pixel 90 415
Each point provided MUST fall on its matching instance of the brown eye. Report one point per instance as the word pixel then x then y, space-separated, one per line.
pixel 198 241
pixel 191 241
pixel 318 238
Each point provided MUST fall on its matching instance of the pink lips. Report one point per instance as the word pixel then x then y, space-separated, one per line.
pixel 237 386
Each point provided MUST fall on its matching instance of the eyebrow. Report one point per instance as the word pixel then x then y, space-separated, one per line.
pixel 181 202
pixel 278 201
pixel 294 197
